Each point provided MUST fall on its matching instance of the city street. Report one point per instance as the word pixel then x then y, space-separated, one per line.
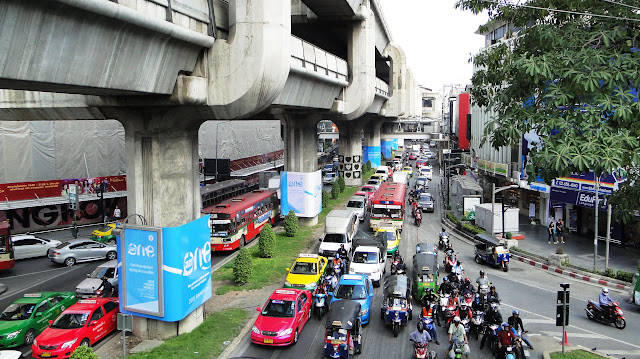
pixel 531 291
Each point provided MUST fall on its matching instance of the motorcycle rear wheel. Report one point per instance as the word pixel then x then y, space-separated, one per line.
pixel 620 323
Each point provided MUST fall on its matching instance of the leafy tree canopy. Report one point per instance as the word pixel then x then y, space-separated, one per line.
pixel 570 74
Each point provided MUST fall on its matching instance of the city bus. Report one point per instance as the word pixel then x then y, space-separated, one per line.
pixel 237 221
pixel 387 207
pixel 7 259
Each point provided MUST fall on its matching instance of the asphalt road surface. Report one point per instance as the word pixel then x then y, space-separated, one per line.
pixel 526 288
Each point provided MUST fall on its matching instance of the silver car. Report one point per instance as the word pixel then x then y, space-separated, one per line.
pixel 73 251
pixel 88 287
pixel 29 246
pixel 425 202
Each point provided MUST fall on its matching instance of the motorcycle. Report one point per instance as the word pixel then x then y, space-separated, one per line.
pixel 421 351
pixel 319 304
pixel 443 240
pixel 492 331
pixel 101 294
pixel 449 313
pixel 477 322
pixel 615 316
pixel 418 220
pixel 450 260
pixel 483 290
pixel 510 353
pixel 457 350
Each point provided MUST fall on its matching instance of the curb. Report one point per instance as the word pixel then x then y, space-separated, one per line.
pixel 596 280
pixel 592 278
pixel 226 353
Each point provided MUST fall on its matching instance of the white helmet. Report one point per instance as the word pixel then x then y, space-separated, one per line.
pixel 605 290
pixel 456 319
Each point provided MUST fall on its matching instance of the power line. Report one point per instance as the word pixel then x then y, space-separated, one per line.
pixel 563 11
pixel 622 4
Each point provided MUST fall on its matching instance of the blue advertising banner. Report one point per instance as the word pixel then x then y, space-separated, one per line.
pixel 181 270
pixel 372 153
pixel 387 147
pixel 301 192
pixel 141 277
pixel 578 198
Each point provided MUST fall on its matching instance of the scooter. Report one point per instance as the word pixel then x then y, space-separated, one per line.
pixel 615 316
pixel 477 322
pixel 510 353
pixel 421 351
pixel 457 350
pixel 418 218
pixel 443 240
pixel 450 260
pixel 319 304
pixel 492 331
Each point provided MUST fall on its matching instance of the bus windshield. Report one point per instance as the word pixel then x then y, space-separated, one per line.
pixel 386 213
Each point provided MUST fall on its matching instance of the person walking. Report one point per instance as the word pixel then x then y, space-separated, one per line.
pixel 559 229
pixel 117 213
pixel 552 232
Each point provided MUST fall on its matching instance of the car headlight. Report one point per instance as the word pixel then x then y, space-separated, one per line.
pixel 255 330
pixel 67 345
pixel 35 342
pixel 286 332
pixel 376 271
pixel 13 335
pixel 364 312
pixel 287 284
pixel 310 286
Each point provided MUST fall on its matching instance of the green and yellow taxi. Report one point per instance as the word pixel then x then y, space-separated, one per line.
pixel 28 316
pixel 408 170
pixel 104 233
pixel 306 272
pixel 393 238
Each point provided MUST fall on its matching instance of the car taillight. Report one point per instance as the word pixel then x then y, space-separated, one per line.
pixel 55 253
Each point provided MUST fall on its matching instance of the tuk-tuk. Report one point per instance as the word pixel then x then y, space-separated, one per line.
pixel 396 308
pixel 491 250
pixel 425 273
pixel 426 247
pixel 343 336
pixel 635 294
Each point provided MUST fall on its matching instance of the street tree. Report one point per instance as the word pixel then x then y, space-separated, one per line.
pixel 569 71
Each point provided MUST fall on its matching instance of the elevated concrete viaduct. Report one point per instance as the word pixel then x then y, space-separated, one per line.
pixel 162 70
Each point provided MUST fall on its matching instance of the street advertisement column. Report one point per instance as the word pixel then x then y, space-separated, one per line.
pixel 301 192
pixel 387 147
pixel 166 272
pixel 371 153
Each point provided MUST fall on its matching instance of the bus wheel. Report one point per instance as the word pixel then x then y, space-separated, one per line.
pixel 242 242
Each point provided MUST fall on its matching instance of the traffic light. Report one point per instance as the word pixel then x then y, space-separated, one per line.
pixel 560 317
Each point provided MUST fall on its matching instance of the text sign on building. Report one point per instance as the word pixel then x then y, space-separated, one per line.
pixel 142 284
pixel 73 197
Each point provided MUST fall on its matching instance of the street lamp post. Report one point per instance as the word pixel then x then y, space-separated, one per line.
pixel 218 124
pixel 495 190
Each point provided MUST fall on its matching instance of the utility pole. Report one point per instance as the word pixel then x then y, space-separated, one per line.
pixel 595 229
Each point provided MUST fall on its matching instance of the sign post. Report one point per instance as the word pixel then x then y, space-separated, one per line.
pixel 73 205
pixel 562 311
pixel 124 323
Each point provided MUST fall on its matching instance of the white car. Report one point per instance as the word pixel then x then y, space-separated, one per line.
pixel 29 246
pixel 357 204
pixel 426 172
pixel 330 178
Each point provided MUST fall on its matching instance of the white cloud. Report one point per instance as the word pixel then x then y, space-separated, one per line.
pixel 437 39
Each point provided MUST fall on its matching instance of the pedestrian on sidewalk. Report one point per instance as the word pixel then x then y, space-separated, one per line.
pixel 559 229
pixel 552 232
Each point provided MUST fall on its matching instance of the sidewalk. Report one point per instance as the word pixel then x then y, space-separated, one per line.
pixel 580 249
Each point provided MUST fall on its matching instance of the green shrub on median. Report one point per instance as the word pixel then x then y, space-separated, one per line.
pixel 325 198
pixel 472 229
pixel 335 190
pixel 242 267
pixel 341 184
pixel 290 224
pixel 83 352
pixel 267 241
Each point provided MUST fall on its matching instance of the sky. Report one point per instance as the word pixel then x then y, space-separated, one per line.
pixel 437 39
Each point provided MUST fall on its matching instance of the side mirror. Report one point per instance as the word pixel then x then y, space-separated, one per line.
pixel 93 323
pixel 330 294
pixel 320 239
pixel 38 314
pixel 258 309
pixel 287 269
pixel 50 322
pixel 88 275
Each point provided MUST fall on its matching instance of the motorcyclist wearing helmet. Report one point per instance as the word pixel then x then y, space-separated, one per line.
pixel 453 299
pixel 465 312
pixel 515 321
pixel 492 296
pixel 445 287
pixel 457 333
pixel 429 311
pixel 420 336
pixel 467 287
pixel 106 287
pixel 605 301
pixel 401 266
pixel 505 338
pixel 492 316
pixel 477 303
pixel 482 279
pixel 458 269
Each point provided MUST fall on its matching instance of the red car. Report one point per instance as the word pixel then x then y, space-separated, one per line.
pixel 282 317
pixel 367 190
pixel 83 323
pixel 413 156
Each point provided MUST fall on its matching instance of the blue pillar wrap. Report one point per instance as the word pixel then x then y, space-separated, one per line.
pixel 395 144
pixel 372 153
pixel 386 148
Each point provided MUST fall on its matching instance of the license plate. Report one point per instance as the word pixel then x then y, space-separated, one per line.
pixel 268 341
pixel 45 355
pixel 336 341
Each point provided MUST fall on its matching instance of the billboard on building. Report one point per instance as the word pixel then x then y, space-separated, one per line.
pixel 301 192
pixel 469 207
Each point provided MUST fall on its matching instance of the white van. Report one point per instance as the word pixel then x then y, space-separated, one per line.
pixel 401 177
pixel 339 228
pixel 357 204
pixel 369 261
pixel 384 171
pixel 426 172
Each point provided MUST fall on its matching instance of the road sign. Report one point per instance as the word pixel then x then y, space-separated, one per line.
pixel 125 322
pixel 563 297
pixel 560 314
pixel 73 197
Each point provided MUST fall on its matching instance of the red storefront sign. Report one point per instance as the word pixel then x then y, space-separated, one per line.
pixel 54 188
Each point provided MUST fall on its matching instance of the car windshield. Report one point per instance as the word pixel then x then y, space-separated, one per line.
pixel 104 228
pixel 368 189
pixel 102 271
pixel 18 311
pixel 351 291
pixel 365 257
pixel 425 198
pixel 373 182
pixel 390 236
pixel 355 204
pixel 304 268
pixel 334 238
pixel 70 321
pixel 279 308
pixel 420 182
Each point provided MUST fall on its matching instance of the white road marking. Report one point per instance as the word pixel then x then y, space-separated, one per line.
pixel 538 321
pixel 620 352
pixel 8 294
pixel 42 271
pixel 575 335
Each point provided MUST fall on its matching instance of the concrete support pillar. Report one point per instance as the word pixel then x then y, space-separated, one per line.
pixel 163 187
pixel 301 148
pixel 371 151
pixel 350 157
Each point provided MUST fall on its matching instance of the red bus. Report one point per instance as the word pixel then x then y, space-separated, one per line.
pixel 7 259
pixel 236 221
pixel 387 207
